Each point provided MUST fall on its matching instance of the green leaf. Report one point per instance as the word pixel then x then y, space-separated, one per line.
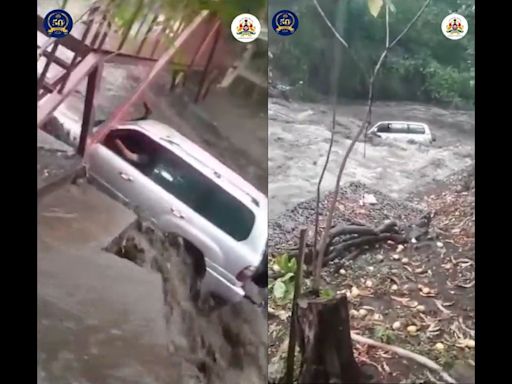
pixel 290 289
pixel 292 265
pixel 282 262
pixel 326 294
pixel 287 277
pixel 375 6
pixel 279 289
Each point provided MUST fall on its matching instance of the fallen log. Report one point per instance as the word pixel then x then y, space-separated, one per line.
pixel 341 230
pixel 345 240
pixel 340 251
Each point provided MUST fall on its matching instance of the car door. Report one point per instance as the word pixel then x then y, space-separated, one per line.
pixel 380 130
pixel 145 193
pixel 419 133
pixel 399 132
pixel 122 179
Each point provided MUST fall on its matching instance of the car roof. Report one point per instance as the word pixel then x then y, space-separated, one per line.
pixel 169 137
pixel 401 122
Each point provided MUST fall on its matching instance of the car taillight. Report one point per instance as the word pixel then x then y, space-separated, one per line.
pixel 245 274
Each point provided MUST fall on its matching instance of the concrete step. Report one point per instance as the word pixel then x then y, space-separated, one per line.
pixel 100 318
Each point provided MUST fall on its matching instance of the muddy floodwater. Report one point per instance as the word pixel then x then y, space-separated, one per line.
pixel 299 137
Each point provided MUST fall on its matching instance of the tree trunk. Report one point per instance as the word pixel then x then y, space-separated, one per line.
pixel 325 342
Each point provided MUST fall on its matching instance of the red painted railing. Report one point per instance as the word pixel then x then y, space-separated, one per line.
pixel 200 44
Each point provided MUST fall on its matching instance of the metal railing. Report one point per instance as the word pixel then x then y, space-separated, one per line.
pixel 188 43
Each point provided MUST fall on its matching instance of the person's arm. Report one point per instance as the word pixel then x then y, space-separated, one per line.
pixel 127 154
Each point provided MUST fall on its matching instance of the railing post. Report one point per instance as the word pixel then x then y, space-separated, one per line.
pixel 88 115
pixel 208 63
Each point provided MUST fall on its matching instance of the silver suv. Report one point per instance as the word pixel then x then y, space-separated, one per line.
pixel 186 191
pixel 402 131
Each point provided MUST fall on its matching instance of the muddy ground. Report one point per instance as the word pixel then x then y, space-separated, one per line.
pixel 210 346
pixel 299 137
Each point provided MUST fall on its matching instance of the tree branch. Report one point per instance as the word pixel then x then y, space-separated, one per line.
pixel 411 23
pixel 318 189
pixel 406 354
pixel 387 25
pixel 342 41
pixel 335 70
pixel 322 13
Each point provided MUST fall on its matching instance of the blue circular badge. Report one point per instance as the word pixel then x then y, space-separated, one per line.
pixel 58 23
pixel 285 23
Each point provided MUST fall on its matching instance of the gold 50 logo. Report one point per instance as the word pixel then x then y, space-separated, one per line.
pixel 58 23
pixel 285 23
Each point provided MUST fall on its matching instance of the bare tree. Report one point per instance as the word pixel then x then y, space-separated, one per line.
pixel 323 325
pixel 320 250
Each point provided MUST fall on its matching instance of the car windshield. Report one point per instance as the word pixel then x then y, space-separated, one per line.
pixel 203 195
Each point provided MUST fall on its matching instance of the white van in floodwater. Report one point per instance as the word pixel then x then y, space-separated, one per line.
pixel 402 131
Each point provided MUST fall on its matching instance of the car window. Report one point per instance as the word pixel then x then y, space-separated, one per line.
pixel 139 146
pixel 202 195
pixel 185 182
pixel 383 128
pixel 397 128
pixel 417 129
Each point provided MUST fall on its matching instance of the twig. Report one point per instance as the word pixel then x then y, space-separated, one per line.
pixel 406 354
pixel 342 41
pixel 374 73
pixel 411 23
pixel 318 187
pixel 335 70
pixel 364 127
pixel 290 358
pixel 387 25
pixel 432 378
pixel 322 13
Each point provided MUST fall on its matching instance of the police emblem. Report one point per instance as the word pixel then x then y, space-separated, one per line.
pixel 245 27
pixel 58 23
pixel 454 26
pixel 285 23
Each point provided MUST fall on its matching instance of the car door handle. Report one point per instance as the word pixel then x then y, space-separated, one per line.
pixel 125 177
pixel 177 213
